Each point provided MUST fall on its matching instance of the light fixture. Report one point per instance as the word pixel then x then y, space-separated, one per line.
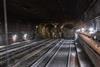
pixel 78 30
pixel 91 30
pixel 14 37
pixel 25 36
pixel 83 29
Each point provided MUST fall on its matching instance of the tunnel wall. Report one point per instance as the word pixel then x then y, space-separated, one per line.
pixel 19 29
pixel 2 33
pixel 93 11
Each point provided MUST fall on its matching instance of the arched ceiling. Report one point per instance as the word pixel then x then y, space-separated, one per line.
pixel 1 10
pixel 46 10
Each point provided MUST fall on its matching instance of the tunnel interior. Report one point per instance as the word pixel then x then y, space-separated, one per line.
pixel 49 33
pixel 42 19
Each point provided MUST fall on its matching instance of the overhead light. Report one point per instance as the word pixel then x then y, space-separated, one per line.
pixel 55 26
pixel 36 27
pixel 91 30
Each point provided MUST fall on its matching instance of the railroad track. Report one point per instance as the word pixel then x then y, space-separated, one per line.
pixel 14 53
pixel 53 53
pixel 19 45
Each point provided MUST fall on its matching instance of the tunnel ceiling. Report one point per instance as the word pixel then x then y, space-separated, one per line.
pixel 1 10
pixel 46 10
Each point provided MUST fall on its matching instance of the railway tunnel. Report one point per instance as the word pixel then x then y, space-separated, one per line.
pixel 49 33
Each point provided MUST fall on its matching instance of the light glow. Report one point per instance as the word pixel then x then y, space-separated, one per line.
pixel 36 27
pixel 25 36
pixel 55 26
pixel 95 37
pixel 91 29
pixel 78 30
pixel 14 37
pixel 83 29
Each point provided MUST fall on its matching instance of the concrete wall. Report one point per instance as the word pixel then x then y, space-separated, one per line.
pixel 19 28
pixel 2 33
pixel 93 11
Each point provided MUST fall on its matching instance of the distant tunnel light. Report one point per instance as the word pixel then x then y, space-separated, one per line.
pixel 36 26
pixel 91 30
pixel 14 37
pixel 25 36
pixel 83 29
pixel 78 30
pixel 95 37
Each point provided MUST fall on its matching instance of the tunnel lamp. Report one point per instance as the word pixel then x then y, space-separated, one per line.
pixel 14 37
pixel 36 27
pixel 83 29
pixel 91 30
pixel 78 30
pixel 55 26
pixel 25 36
pixel 79 50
